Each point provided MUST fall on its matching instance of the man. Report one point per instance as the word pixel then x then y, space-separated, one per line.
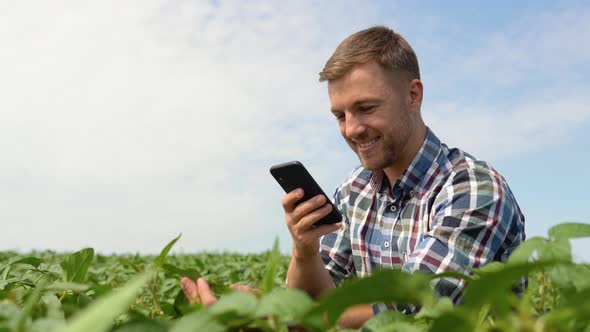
pixel 413 204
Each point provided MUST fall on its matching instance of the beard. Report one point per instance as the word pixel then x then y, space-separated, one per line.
pixel 392 145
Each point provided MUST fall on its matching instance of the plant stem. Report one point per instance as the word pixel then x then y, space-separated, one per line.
pixel 542 285
pixel 154 290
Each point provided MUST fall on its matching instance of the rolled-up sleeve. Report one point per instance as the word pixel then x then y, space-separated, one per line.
pixel 335 248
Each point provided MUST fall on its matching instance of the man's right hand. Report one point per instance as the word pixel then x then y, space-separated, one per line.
pixel 301 219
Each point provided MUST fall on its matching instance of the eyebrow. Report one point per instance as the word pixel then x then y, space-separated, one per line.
pixel 358 102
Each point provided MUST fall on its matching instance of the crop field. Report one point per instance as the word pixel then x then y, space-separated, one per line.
pixel 84 291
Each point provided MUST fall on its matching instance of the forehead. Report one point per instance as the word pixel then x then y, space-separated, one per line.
pixel 364 81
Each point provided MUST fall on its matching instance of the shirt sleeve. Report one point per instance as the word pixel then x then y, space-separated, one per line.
pixel 474 220
pixel 335 248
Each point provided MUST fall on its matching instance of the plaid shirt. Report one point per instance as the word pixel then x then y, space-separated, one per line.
pixel 447 212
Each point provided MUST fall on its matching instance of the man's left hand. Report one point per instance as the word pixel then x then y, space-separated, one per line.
pixel 200 292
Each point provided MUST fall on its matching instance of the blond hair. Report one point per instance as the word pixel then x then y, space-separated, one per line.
pixel 378 43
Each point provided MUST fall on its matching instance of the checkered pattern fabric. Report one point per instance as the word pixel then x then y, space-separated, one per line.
pixel 447 212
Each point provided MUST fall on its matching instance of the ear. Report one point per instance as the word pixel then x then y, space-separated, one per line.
pixel 415 93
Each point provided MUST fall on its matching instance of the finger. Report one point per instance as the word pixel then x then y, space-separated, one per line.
pixel 241 288
pixel 315 233
pixel 205 294
pixel 288 201
pixel 310 219
pixel 245 288
pixel 307 207
pixel 189 288
pixel 325 229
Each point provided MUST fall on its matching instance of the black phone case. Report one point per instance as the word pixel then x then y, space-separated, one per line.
pixel 293 175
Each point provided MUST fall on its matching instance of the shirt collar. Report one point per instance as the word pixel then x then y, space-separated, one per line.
pixel 411 177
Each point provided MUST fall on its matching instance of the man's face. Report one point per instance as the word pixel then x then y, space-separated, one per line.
pixel 372 113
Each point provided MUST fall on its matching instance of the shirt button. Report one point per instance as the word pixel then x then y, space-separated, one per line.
pixel 386 244
pixel 412 193
pixel 393 208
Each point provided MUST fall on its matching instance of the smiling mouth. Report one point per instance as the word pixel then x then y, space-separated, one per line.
pixel 367 145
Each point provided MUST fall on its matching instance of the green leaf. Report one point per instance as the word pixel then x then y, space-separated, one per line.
pixel 53 305
pixel 270 273
pixel 30 303
pixel 580 275
pixel 99 316
pixel 442 306
pixel 525 250
pixel 100 290
pixel 235 306
pixel 59 286
pixel 191 273
pixel 181 305
pixel 388 286
pixel 143 326
pixel 31 260
pixel 75 266
pixel 396 327
pixel 47 324
pixel 569 230
pixel 9 311
pixel 388 321
pixel 161 259
pixel 576 307
pixel 480 291
pixel 580 299
pixel 288 304
pixel 450 274
pixel 489 268
pixel 198 321
pixel 456 321
pixel 558 249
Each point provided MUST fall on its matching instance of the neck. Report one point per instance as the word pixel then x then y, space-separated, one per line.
pixel 415 142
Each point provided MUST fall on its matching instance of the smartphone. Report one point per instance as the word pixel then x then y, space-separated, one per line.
pixel 293 175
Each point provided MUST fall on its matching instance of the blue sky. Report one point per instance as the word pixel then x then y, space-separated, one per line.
pixel 123 125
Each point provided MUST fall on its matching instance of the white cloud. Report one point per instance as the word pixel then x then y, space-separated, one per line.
pixel 494 133
pixel 548 45
pixel 124 124
pixel 530 88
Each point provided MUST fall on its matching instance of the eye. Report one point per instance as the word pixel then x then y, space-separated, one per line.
pixel 366 108
pixel 339 116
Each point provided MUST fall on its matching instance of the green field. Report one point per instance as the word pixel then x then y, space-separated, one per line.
pixel 82 291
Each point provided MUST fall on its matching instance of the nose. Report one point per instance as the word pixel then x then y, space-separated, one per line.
pixel 354 127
